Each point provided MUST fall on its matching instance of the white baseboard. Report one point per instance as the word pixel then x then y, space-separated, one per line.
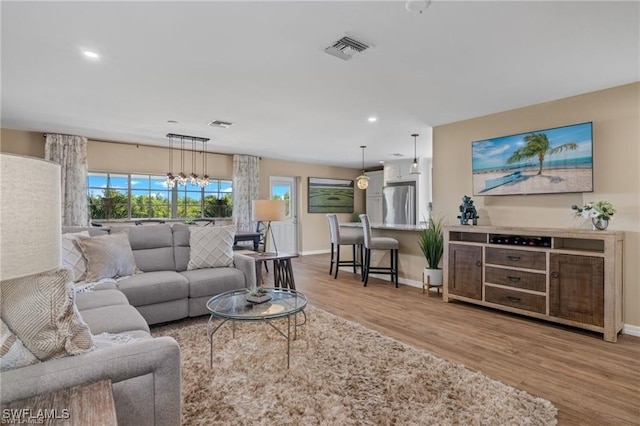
pixel 310 252
pixel 631 330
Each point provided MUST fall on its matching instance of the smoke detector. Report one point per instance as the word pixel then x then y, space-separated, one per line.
pixel 220 123
pixel 346 48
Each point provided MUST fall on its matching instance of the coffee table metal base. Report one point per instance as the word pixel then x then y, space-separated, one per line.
pixel 211 330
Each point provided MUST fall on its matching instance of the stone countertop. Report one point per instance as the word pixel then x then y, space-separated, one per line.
pixel 390 226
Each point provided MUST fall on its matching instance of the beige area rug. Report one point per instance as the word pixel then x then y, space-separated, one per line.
pixel 341 374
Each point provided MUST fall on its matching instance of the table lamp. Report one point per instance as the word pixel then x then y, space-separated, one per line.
pixel 268 211
pixel 30 216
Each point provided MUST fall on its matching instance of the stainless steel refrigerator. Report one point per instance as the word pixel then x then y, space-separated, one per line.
pixel 399 204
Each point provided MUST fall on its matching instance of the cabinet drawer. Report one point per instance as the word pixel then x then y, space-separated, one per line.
pixel 516 258
pixel 515 278
pixel 516 299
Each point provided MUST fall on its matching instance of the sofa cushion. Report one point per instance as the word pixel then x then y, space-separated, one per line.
pixel 114 319
pixel 152 246
pixel 72 256
pixel 98 299
pixel 181 236
pixel 212 281
pixel 108 256
pixel 211 247
pixel 13 353
pixel 154 287
pixel 40 310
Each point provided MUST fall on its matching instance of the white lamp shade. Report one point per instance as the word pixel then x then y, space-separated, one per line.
pixel 268 210
pixel 30 219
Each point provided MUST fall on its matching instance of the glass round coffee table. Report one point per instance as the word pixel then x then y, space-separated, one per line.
pixel 233 306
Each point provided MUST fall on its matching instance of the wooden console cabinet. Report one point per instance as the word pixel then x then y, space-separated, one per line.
pixel 568 276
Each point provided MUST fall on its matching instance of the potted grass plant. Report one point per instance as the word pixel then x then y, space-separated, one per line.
pixel 431 242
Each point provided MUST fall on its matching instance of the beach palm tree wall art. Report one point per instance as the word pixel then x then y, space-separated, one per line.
pixel 545 161
pixel 538 146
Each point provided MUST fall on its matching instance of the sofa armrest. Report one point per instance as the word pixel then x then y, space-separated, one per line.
pixel 158 357
pixel 247 265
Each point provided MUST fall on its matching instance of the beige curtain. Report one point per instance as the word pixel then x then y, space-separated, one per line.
pixel 246 182
pixel 71 153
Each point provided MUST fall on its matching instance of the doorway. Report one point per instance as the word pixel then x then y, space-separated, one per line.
pixel 285 232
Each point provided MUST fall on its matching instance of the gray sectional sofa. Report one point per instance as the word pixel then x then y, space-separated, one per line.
pixel 145 372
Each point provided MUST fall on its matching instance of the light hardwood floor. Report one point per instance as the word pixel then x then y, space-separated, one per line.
pixel 590 381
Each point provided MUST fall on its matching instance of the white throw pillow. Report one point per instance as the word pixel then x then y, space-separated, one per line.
pixel 13 353
pixel 211 246
pixel 72 256
pixel 40 309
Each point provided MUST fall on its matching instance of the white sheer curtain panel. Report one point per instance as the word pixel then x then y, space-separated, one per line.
pixel 71 153
pixel 246 181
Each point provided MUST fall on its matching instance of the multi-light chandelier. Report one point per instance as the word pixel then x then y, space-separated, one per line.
pixel 181 178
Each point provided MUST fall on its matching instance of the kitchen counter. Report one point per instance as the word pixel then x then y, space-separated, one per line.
pixel 395 227
pixel 411 261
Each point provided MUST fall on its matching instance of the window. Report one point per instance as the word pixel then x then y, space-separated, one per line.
pixel 140 196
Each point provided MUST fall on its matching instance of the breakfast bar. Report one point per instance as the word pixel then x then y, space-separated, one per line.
pixel 411 261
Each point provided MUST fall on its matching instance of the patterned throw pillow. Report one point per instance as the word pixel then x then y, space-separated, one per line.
pixel 211 246
pixel 72 256
pixel 13 353
pixel 40 310
pixel 108 256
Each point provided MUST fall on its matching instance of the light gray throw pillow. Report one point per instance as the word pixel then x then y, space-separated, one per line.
pixel 108 256
pixel 211 246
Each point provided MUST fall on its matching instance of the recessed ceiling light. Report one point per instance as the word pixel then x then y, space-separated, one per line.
pixel 372 119
pixel 90 54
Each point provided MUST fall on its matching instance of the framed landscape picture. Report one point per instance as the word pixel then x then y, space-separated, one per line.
pixel 545 161
pixel 330 195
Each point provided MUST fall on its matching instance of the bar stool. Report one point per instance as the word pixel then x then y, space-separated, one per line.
pixel 338 240
pixel 378 243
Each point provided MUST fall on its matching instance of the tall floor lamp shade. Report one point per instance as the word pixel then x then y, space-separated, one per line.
pixel 268 211
pixel 30 216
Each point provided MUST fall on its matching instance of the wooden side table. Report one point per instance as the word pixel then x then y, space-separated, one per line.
pixel 282 268
pixel 80 405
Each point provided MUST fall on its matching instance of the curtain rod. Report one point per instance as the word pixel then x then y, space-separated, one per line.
pixel 138 145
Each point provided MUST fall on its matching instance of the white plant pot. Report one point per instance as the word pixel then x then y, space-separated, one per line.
pixel 433 276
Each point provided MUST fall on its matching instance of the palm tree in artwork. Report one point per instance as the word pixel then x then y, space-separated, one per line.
pixel 538 146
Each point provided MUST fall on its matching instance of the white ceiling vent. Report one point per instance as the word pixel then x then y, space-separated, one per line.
pixel 346 48
pixel 220 123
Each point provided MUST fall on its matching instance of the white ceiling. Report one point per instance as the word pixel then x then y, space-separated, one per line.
pixel 262 66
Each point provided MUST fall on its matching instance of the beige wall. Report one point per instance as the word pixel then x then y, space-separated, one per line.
pixel 615 114
pixel 314 232
pixel 119 157
pixel 22 143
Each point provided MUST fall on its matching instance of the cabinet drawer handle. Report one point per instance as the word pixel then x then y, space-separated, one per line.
pixel 513 258
pixel 478 263
pixel 513 299
pixel 513 279
pixel 555 274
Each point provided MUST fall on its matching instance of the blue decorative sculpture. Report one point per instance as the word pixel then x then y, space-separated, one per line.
pixel 468 211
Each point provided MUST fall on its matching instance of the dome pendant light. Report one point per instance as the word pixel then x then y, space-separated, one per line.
pixel 363 180
pixel 415 167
